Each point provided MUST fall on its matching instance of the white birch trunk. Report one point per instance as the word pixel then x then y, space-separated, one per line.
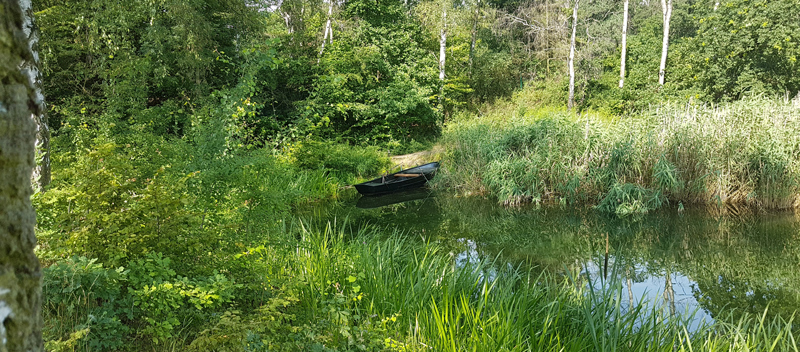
pixel 666 6
pixel 287 19
pixel 571 62
pixel 41 173
pixel 624 44
pixel 328 31
pixel 474 34
pixel 442 53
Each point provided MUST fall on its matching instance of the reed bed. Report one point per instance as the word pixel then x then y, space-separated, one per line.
pixel 746 152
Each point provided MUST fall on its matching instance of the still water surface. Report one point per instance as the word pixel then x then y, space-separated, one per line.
pixel 716 261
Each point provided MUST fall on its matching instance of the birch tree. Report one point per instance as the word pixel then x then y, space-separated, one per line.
pixel 328 30
pixel 474 34
pixel 666 7
pixel 20 272
pixel 30 67
pixel 571 62
pixel 442 53
pixel 624 44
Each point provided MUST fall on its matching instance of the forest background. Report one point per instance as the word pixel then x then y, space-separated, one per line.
pixel 184 132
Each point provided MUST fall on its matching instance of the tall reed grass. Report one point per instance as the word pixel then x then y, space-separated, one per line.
pixel 414 296
pixel 747 152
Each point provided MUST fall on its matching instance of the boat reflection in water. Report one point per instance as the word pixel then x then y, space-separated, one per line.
pixel 394 198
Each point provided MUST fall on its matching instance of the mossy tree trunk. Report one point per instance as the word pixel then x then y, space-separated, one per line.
pixel 20 272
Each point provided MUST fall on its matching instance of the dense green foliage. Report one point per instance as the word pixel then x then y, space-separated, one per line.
pixel 187 132
pixel 745 48
pixel 741 48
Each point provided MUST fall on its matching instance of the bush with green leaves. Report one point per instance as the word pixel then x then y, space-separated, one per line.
pixel 375 82
pixel 744 48
pixel 111 204
pixel 146 301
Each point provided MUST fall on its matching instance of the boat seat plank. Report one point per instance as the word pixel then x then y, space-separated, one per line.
pixel 407 175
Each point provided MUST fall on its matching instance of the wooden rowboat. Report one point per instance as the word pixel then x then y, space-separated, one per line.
pixel 399 181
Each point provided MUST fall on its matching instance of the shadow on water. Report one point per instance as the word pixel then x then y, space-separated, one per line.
pixel 397 198
pixel 709 261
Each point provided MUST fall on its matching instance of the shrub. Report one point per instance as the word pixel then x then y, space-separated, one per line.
pixel 102 308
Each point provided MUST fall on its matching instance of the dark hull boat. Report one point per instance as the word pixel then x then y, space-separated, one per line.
pixel 399 181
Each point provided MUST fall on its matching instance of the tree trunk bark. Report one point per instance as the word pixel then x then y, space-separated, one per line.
pixel 666 6
pixel 624 44
pixel 328 31
pixel 41 172
pixel 474 33
pixel 571 101
pixel 442 54
pixel 20 272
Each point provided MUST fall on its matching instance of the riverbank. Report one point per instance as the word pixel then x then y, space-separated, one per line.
pixel 154 244
pixel 747 152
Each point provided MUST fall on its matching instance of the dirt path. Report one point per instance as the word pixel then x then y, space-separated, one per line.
pixel 414 159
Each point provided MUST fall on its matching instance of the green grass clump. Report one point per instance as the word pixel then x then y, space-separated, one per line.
pixel 372 292
pixel 741 153
pixel 344 162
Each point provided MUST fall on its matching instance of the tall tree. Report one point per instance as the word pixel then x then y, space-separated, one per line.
pixel 20 272
pixel 571 62
pixel 328 29
pixel 666 7
pixel 476 12
pixel 442 53
pixel 624 44
pixel 41 173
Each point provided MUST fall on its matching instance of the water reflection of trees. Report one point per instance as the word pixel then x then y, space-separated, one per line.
pixel 741 261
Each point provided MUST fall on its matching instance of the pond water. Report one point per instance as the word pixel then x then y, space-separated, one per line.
pixel 714 261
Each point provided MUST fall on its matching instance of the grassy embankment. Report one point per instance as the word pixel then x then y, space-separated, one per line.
pixel 747 152
pixel 317 289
